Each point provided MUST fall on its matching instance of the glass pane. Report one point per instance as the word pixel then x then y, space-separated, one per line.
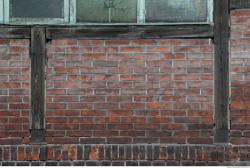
pixel 124 11
pixel 176 10
pixel 37 8
pixel 93 11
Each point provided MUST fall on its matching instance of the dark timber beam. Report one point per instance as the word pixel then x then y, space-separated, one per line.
pixel 221 63
pixel 129 32
pixel 14 32
pixel 239 4
pixel 111 32
pixel 38 61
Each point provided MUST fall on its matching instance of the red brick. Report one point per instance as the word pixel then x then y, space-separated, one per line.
pixel 200 140
pixel 79 133
pixel 92 113
pixel 123 90
pixel 117 42
pixel 120 140
pixel 72 152
pixel 56 120
pixel 19 106
pixel 63 113
pixel 35 154
pixel 92 127
pixel 21 153
pixel 131 49
pixel 77 119
pixel 65 126
pixel 62 140
pixel 105 133
pixel 144 42
pixel 161 120
pixel 173 140
pixel 158 49
pixel 175 56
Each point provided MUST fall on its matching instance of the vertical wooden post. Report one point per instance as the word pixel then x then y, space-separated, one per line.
pixel 221 40
pixel 38 60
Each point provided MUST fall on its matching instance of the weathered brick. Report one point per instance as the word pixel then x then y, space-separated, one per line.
pixel 127 91
pixel 92 163
pixel 51 163
pixel 37 163
pixel 79 163
pixel 28 152
pixel 43 153
pixel 87 150
pixel 128 152
pixel 144 163
pixel 13 153
pixel 22 163
pixel 79 152
pixel 115 152
pixel 172 163
pixel 64 163
pixel 72 152
pixel 105 163
pixel 118 163
pixel 134 79
pixel 8 163
pixel 94 153
pixel 35 153
pixel 131 163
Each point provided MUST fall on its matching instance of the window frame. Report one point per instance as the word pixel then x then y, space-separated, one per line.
pixel 70 16
pixel 208 21
pixel 73 13
pixel 1 13
pixel 30 21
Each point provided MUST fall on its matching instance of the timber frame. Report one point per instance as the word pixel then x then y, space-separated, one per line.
pixel 38 62
pixel 221 70
pixel 219 32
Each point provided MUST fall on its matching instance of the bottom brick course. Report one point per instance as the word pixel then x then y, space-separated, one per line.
pixel 127 163
pixel 125 154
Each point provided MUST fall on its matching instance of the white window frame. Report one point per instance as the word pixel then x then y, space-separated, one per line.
pixel 1 13
pixel 73 13
pixel 28 21
pixel 70 16
pixel 209 19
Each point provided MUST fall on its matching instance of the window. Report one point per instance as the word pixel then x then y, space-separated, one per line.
pixel 177 11
pixel 36 11
pixel 1 11
pixel 106 11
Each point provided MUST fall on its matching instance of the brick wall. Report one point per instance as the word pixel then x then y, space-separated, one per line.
pixel 120 155
pixel 240 77
pixel 14 91
pixel 130 91
pixel 126 102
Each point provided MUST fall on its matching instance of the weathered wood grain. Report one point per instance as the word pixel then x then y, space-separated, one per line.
pixel 130 32
pixel 221 67
pixel 38 60
pixel 14 32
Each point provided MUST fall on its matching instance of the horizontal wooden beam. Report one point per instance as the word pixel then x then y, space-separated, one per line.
pixel 239 4
pixel 14 32
pixel 111 32
pixel 130 32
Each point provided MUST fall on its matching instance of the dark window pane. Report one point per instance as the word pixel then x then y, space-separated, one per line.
pixel 93 11
pixel 124 11
pixel 176 10
pixel 36 8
